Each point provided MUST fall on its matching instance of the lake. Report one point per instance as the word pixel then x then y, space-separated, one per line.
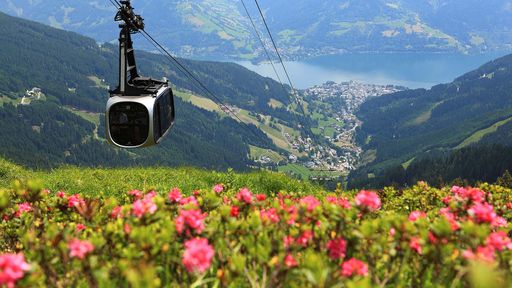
pixel 413 70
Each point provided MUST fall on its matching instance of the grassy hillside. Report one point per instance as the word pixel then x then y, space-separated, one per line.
pixel 95 182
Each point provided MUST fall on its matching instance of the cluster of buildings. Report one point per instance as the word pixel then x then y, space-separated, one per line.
pixel 30 95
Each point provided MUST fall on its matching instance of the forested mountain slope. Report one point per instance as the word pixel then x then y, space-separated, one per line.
pixel 74 74
pixel 475 108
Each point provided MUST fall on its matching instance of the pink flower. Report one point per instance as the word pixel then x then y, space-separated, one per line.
pixel 12 268
pixel 483 253
pixel 116 212
pixel 137 194
pixel 190 220
pixel 499 241
pixel 472 194
pixel 368 200
pixel 304 238
pixel 244 195
pixel 342 201
pixel 75 200
pixel 174 195
pixel 23 208
pixel 79 249
pixel 261 197
pixel 61 194
pixel 354 267
pixel 218 188
pixel 198 255
pixel 415 245
pixel 499 222
pixel 269 215
pixel 234 211
pixel 144 206
pixel 310 202
pixel 450 217
pixel 290 261
pixel 287 241
pixel 337 248
pixel 482 212
pixel 80 227
pixel 415 215
pixel 189 200
pixel 392 232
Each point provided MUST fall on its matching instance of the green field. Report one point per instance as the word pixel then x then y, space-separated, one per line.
pixel 89 116
pixel 478 135
pixel 305 173
pixel 257 152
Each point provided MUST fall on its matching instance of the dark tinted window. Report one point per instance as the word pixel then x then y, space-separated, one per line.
pixel 129 123
pixel 164 114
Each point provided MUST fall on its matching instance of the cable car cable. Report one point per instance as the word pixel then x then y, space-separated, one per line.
pixel 189 74
pixel 258 35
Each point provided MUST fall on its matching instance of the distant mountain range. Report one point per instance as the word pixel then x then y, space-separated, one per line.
pixel 219 28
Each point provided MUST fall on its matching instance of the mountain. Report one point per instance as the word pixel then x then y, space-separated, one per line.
pixel 401 128
pixel 65 125
pixel 219 29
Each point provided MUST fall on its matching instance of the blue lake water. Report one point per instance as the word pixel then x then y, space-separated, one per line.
pixel 413 70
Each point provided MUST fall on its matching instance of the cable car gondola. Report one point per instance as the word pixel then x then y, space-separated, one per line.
pixel 140 112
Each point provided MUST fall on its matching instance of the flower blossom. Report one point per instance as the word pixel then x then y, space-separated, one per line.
pixel 450 217
pixel 174 195
pixel 261 197
pixel 80 227
pixel 198 255
pixel 189 200
pixel 482 212
pixel 369 200
pixel 415 215
pixel 144 206
pixel 341 201
pixel 79 249
pixel 304 238
pixel 234 211
pixel 190 220
pixel 269 215
pixel 244 195
pixel 337 248
pixel 354 267
pixel 116 212
pixel 499 241
pixel 290 261
pixel 473 194
pixel 483 253
pixel 415 245
pixel 12 269
pixel 23 208
pixel 61 194
pixel 310 202
pixel 75 200
pixel 137 194
pixel 218 188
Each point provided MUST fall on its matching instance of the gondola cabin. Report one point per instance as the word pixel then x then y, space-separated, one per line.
pixel 140 112
pixel 140 121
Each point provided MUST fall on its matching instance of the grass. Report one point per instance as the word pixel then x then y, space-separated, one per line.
pixel 305 173
pixel 275 104
pixel 88 116
pixel 116 182
pixel 406 165
pixel 199 101
pixel 5 99
pixel 478 135
pixel 257 152
pixel 425 116
pixel 98 82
